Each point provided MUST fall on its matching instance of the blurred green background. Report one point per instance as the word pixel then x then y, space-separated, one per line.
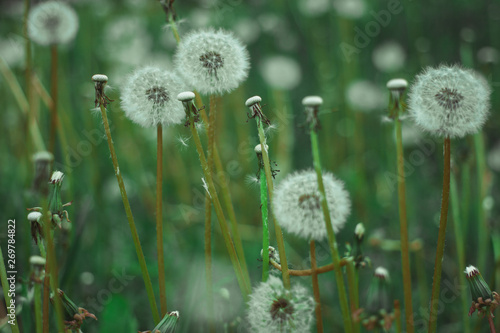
pixel 329 45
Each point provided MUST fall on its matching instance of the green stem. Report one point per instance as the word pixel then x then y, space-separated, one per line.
pixel 265 227
pixel 130 218
pixel 438 264
pixel 459 242
pixel 244 287
pixel 482 232
pixel 331 235
pixel 270 188
pixel 353 290
pixel 405 253
pixel 38 307
pixel 315 285
pixel 159 219
pixel 208 263
pixel 5 284
pixel 53 94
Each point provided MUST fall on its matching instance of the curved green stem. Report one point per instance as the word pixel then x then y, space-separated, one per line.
pixel 438 264
pixel 344 305
pixel 130 218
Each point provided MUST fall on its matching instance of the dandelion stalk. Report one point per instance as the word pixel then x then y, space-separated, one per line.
pixel 315 284
pixel 353 290
pixel 483 239
pixel 191 111
pixel 443 219
pixel 159 219
pixel 459 242
pixel 308 272
pixel 264 212
pixel 38 307
pixel 5 284
pixel 101 99
pixel 312 104
pixel 397 315
pixel 397 87
pixel 53 94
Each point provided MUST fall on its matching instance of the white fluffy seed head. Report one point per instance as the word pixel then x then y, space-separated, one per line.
pixel 471 271
pixel 37 261
pixel 101 78
pixel 272 308
pixel 389 57
pixel 212 62
pixel 365 96
pixel 57 177
pixel 297 204
pixel 382 273
pixel 281 72
pixel 359 230
pixel 34 216
pixel 149 97
pixel 312 101
pixel 186 96
pixel 52 22
pixel 449 101
pixel 253 100
pixel 397 84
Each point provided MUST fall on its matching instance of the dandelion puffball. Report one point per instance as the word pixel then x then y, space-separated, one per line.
pixel 297 204
pixel 272 308
pixel 212 62
pixel 389 57
pixel 52 22
pixel 280 72
pixel 365 96
pixel 449 101
pixel 149 97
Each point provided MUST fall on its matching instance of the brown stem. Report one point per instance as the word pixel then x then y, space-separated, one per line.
pixel 492 325
pixel 438 264
pixel 46 292
pixel 308 272
pixel 315 285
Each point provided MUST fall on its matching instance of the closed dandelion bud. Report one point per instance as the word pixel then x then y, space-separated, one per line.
pixel 397 87
pixel 297 204
pixel 312 105
pixel 212 62
pixel 42 161
pixel 55 203
pixel 483 299
pixel 360 259
pixel 38 268
pixel 273 308
pixel 74 315
pixel 52 22
pixel 149 97
pixel 167 324
pixel 449 101
pixel 36 221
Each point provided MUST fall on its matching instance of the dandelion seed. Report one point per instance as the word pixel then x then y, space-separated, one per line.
pixel 149 97
pixel 183 140
pixel 205 186
pixel 272 308
pixel 365 96
pixel 297 204
pixel 389 57
pixel 281 72
pixel 449 101
pixel 52 22
pixel 212 62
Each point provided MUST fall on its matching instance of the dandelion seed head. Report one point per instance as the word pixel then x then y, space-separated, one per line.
pixel 314 8
pixel 352 9
pixel 12 50
pixel 365 96
pixel 389 57
pixel 258 148
pixel 281 72
pixel 397 84
pixel 312 101
pixel 212 62
pixel 34 216
pixel 248 30
pixel 272 308
pixel 382 273
pixel 488 55
pixel 148 97
pixel 449 101
pixel 43 156
pixel 52 22
pixel 186 96
pixel 100 78
pixel 297 204
pixel 253 100
pixel 359 230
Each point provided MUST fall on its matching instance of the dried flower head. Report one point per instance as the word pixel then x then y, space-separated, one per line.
pixel 449 101
pixel 484 300
pixel 212 62
pixel 52 22
pixel 297 204
pixel 149 97
pixel 272 308
pixel 280 72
